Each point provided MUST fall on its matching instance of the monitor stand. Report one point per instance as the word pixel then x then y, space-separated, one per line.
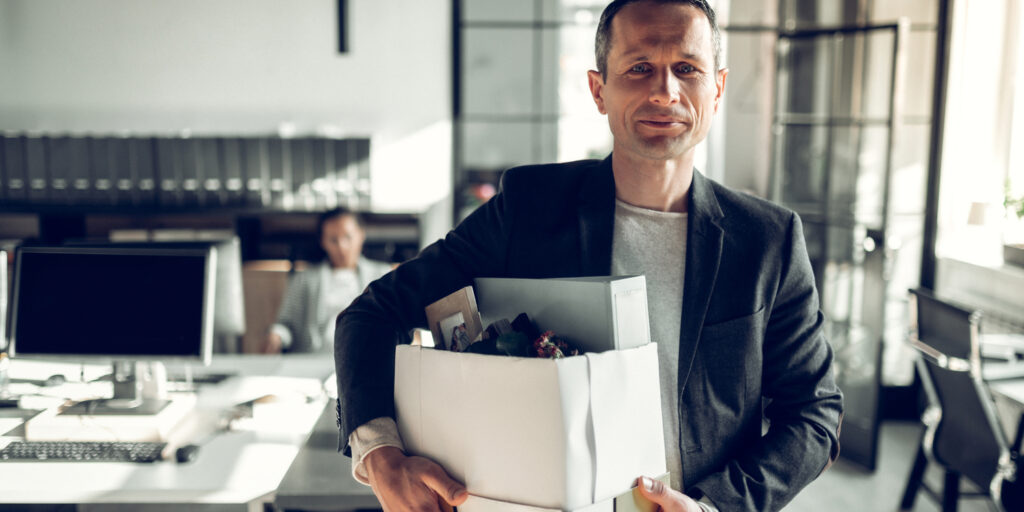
pixel 130 379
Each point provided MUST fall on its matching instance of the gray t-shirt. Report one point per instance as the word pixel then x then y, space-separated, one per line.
pixel 653 244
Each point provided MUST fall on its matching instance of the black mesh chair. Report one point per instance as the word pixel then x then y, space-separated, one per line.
pixel 963 434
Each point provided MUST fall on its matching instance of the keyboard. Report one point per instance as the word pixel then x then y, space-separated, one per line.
pixel 85 451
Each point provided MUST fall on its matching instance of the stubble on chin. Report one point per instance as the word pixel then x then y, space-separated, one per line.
pixel 661 147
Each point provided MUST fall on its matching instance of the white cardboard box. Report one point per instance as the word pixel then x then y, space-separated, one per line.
pixel 629 501
pixel 595 313
pixel 561 434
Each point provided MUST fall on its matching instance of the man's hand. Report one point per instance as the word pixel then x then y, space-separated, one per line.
pixel 272 345
pixel 411 483
pixel 668 500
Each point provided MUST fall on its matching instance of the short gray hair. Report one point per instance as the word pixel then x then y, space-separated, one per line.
pixel 603 40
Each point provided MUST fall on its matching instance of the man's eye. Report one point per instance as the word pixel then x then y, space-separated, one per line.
pixel 686 69
pixel 638 68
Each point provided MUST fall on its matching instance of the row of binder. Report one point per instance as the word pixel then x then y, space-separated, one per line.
pixel 304 174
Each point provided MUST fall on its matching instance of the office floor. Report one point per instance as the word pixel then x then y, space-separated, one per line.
pixel 846 487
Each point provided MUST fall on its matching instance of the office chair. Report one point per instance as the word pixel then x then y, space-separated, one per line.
pixel 963 434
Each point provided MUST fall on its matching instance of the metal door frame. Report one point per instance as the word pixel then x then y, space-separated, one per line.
pixel 868 440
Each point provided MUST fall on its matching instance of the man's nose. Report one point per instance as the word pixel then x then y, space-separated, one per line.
pixel 665 89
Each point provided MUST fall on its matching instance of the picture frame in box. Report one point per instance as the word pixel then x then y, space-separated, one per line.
pixel 461 301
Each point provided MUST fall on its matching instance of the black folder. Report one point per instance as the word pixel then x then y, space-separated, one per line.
pixel 279 165
pixel 256 173
pixel 210 171
pixel 121 172
pixel 143 167
pixel 3 172
pixel 190 170
pixel 36 169
pixel 322 164
pixel 361 153
pixel 231 163
pixel 168 172
pixel 69 170
pixel 16 181
pixel 301 152
pixel 100 171
pixel 79 180
pixel 345 172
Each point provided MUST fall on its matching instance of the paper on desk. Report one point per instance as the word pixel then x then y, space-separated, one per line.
pixel 331 386
pixel 246 389
pixel 9 424
pixel 29 369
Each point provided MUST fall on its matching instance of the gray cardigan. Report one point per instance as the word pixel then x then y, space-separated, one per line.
pixel 296 319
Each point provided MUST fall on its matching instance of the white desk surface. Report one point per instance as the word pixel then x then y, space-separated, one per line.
pixel 242 466
pixel 1011 389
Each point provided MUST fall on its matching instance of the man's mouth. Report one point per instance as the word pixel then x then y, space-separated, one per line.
pixel 662 123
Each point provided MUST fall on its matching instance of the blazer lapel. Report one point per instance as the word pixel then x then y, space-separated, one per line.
pixel 703 254
pixel 596 220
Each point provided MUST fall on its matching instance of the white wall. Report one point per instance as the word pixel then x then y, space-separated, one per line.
pixel 241 66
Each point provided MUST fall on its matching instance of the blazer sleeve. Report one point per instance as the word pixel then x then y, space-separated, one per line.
pixel 383 316
pixel 805 404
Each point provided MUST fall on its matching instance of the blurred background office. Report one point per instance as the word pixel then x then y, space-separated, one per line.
pixel 895 128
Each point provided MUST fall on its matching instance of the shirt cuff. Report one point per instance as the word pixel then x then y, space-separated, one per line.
pixel 285 334
pixel 374 434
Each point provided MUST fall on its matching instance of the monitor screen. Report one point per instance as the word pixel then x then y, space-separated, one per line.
pixel 228 308
pixel 113 303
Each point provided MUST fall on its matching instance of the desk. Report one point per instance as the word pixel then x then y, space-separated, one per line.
pixel 1012 390
pixel 235 470
pixel 1009 398
pixel 320 478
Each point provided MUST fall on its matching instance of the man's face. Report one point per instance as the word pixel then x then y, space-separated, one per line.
pixel 342 239
pixel 661 89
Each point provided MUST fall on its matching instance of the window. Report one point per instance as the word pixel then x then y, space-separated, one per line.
pixel 984 132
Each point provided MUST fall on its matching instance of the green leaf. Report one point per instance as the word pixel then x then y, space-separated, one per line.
pixel 513 344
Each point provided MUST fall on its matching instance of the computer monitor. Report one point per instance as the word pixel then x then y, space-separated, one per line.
pixel 228 300
pixel 114 304
pixel 4 294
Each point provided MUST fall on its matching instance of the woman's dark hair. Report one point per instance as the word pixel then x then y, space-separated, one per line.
pixel 335 213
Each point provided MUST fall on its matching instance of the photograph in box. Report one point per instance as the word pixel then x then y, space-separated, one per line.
pixel 441 314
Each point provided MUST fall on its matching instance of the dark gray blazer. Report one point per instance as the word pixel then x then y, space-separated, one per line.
pixel 751 326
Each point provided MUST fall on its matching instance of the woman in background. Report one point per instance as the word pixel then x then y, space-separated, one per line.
pixel 305 322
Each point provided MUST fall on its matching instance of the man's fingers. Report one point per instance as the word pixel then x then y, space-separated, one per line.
pixel 444 506
pixel 449 490
pixel 653 490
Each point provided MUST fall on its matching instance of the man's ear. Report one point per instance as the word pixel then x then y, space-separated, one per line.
pixel 720 86
pixel 596 87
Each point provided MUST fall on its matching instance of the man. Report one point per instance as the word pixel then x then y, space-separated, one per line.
pixel 306 319
pixel 731 292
